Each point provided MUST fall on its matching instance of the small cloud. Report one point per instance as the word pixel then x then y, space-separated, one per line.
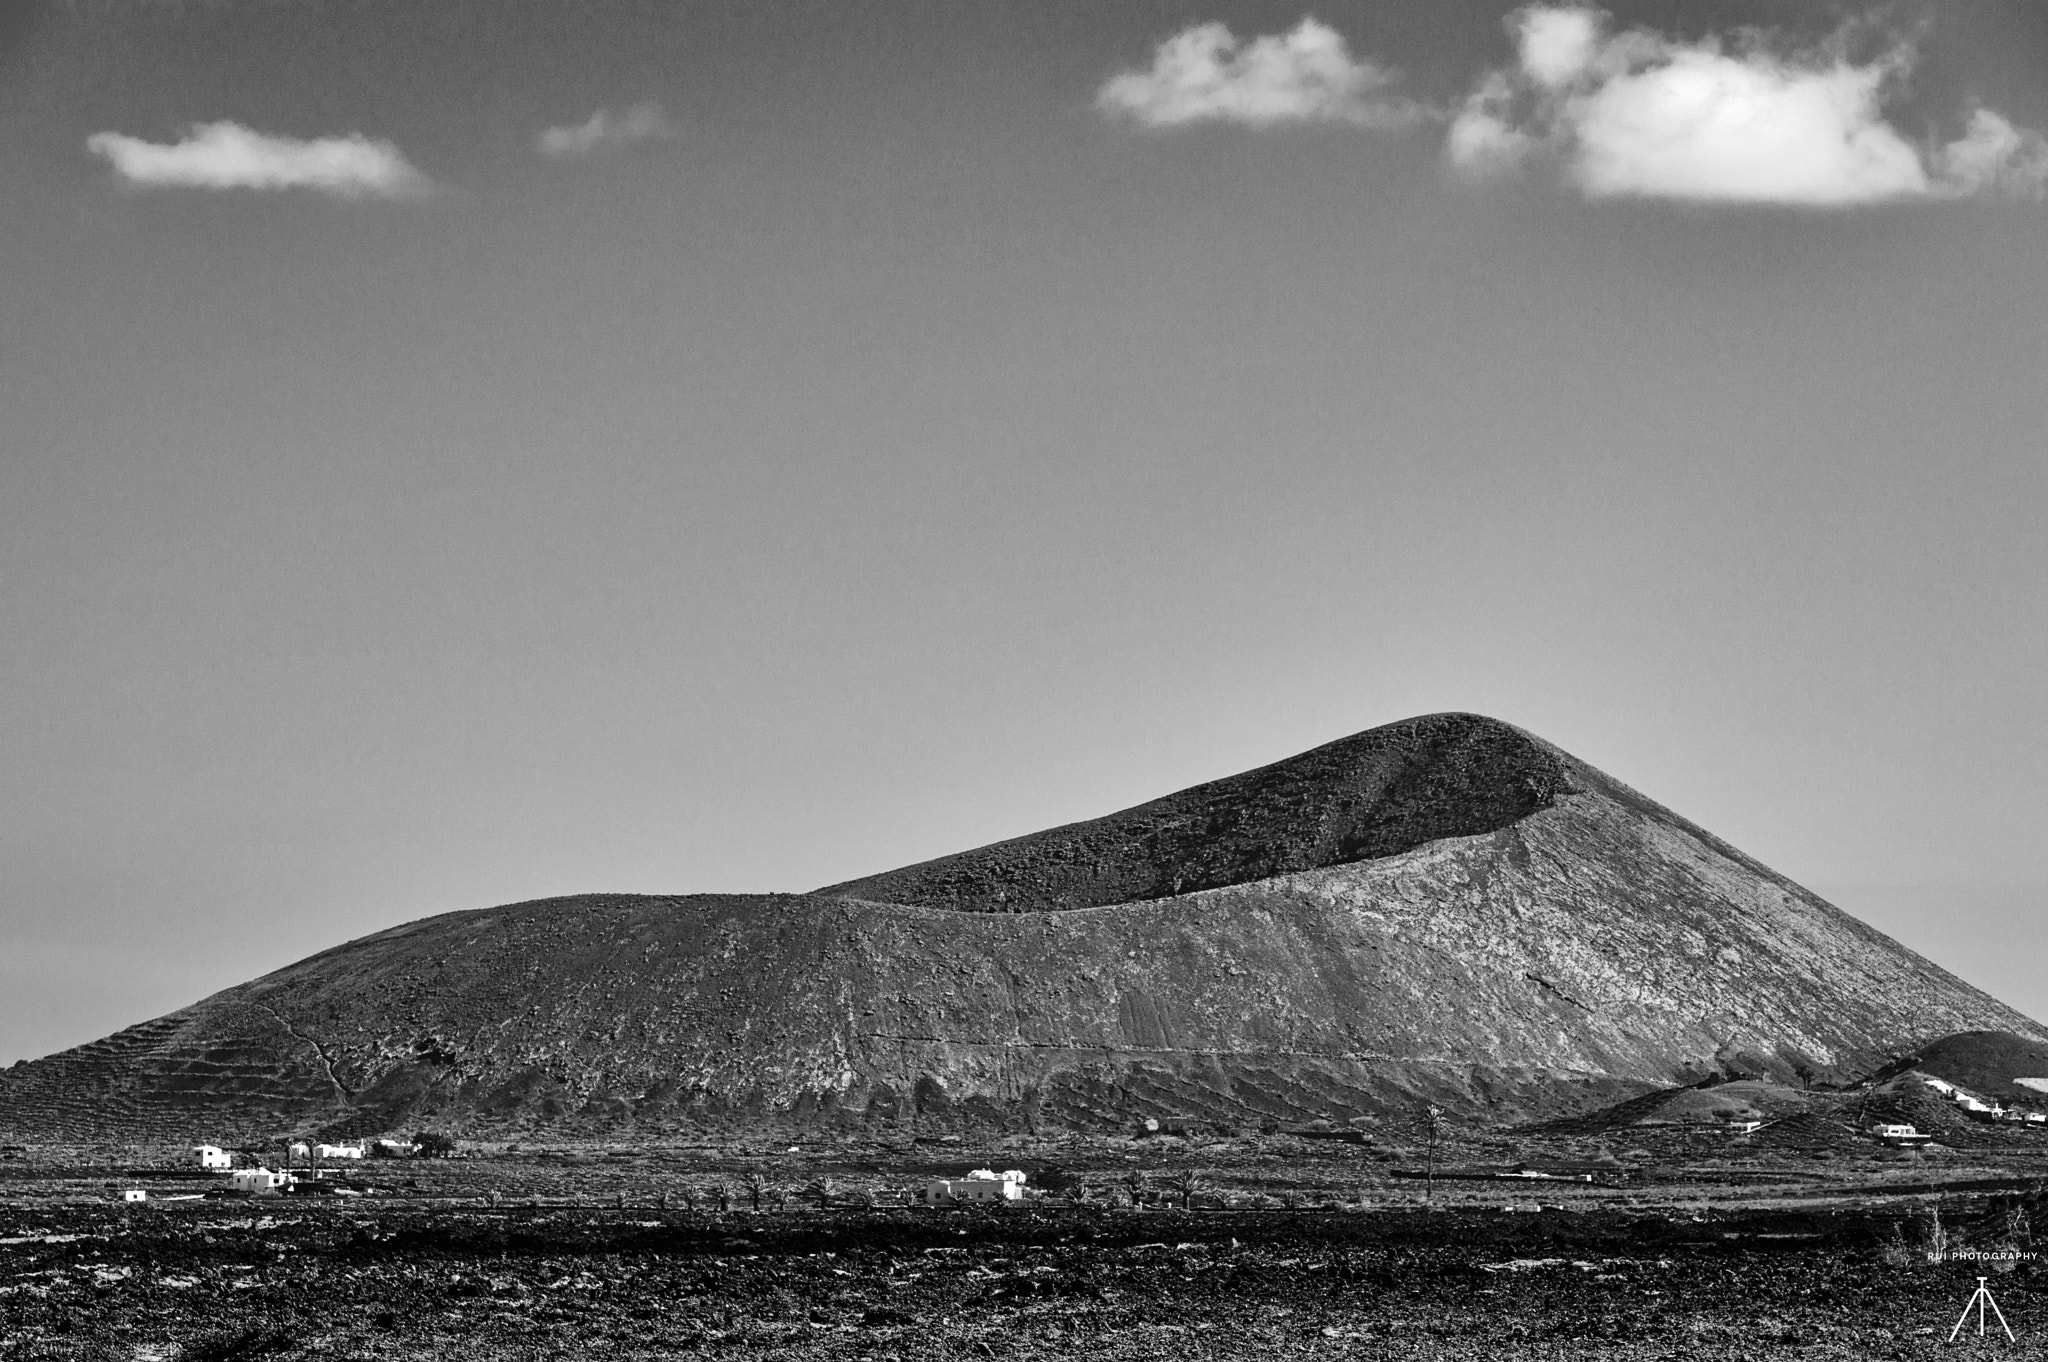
pixel 606 128
pixel 1207 75
pixel 1638 115
pixel 227 155
pixel 1994 157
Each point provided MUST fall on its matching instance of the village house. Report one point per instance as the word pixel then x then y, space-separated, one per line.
pixel 981 1185
pixel 1899 1134
pixel 337 1151
pixel 212 1156
pixel 259 1181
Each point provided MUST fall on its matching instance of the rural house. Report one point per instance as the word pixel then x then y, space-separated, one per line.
pixel 981 1185
pixel 259 1181
pixel 212 1156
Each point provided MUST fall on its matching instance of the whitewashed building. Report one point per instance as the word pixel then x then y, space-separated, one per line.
pixel 337 1151
pixel 212 1156
pixel 981 1185
pixel 259 1181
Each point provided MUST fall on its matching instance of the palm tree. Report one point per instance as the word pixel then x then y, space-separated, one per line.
pixel 755 1189
pixel 1185 1184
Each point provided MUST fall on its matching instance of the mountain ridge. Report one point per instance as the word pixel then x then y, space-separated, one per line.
pixel 1574 941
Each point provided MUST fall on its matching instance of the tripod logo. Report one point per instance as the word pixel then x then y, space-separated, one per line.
pixel 1981 1302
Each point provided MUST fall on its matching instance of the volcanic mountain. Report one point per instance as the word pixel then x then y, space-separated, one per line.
pixel 1445 909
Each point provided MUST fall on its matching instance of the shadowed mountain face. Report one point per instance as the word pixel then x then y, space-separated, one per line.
pixel 1444 910
pixel 1375 794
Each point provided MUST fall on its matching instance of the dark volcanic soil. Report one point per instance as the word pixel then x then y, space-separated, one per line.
pixel 329 1282
pixel 1371 795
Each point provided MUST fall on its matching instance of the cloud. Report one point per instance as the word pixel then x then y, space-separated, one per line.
pixel 1638 115
pixel 227 155
pixel 1207 75
pixel 606 128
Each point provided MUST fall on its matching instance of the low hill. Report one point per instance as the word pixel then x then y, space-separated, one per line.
pixel 1445 910
pixel 1987 1063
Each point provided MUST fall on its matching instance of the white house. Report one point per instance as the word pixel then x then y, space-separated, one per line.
pixel 297 1151
pixel 398 1149
pixel 337 1151
pixel 1899 1134
pixel 259 1181
pixel 978 1186
pixel 134 1194
pixel 212 1156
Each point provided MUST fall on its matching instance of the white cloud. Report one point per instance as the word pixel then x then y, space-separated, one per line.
pixel 227 155
pixel 1638 115
pixel 1994 157
pixel 1558 44
pixel 1206 74
pixel 606 128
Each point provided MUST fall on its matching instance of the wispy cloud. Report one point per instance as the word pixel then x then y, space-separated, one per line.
pixel 1639 115
pixel 1207 75
pixel 226 155
pixel 606 128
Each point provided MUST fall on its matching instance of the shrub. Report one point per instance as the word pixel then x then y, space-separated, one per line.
pixel 433 1144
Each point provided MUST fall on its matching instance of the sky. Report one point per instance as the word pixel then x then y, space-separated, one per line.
pixel 464 453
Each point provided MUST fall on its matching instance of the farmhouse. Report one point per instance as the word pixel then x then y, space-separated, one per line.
pixel 259 1181
pixel 212 1156
pixel 981 1185
pixel 337 1151
pixel 1899 1135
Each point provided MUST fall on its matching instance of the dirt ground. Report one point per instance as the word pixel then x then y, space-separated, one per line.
pixel 1303 1249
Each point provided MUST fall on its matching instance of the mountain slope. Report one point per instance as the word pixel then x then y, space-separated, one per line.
pixel 1566 940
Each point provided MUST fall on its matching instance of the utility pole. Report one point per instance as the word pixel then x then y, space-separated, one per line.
pixel 1432 1112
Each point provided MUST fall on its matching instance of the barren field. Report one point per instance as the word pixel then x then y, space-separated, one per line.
pixel 1291 1248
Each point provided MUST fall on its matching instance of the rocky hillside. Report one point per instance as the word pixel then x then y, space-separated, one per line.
pixel 1446 909
pixel 1375 794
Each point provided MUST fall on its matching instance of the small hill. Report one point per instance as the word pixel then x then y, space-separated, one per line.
pixel 1988 1063
pixel 1445 910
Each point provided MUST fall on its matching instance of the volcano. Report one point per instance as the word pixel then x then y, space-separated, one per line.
pixel 1444 910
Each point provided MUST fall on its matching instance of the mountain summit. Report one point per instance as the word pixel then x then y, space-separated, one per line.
pixel 1443 909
